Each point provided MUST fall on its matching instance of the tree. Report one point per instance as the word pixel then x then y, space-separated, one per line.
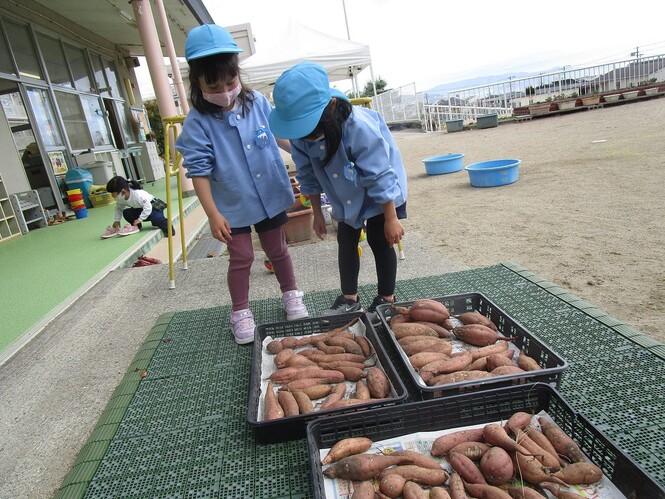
pixel 368 91
pixel 156 125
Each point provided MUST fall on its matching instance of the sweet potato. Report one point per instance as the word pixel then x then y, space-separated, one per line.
pixel 498 347
pixel 518 421
pixel 347 403
pixel 527 363
pixel 478 335
pixel 453 364
pixel 429 311
pixel 289 342
pixel 286 374
pixel 580 473
pixel 274 347
pixel 548 460
pixel 476 318
pixel 478 365
pixel 317 391
pixel 444 443
pixel 311 352
pixel 337 393
pixel 363 490
pixel 418 459
pixel 496 466
pixel 458 377
pixel 301 384
pixel 494 434
pixel 537 436
pixel 466 468
pixel 399 319
pixel 456 485
pixel 305 405
pixel 438 346
pixel 341 363
pixel 329 349
pixel 412 329
pixel 413 473
pixel 441 331
pixel 362 466
pixel 523 492
pixel 497 360
pixel 529 468
pixel 347 447
pixel 352 373
pixel 288 403
pixel 297 360
pixel 347 344
pixel 421 359
pixel 486 491
pixel 282 356
pixel 362 392
pixel 472 450
pixel 438 493
pixel 563 444
pixel 271 408
pixel 377 383
pixel 392 485
pixel 506 370
pixel 306 340
pixel 364 345
pixel 451 323
pixel 351 357
pixel 413 491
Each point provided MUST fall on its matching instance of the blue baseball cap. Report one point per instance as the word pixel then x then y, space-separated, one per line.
pixel 209 39
pixel 301 94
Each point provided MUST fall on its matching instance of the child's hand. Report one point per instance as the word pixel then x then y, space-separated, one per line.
pixel 393 231
pixel 220 228
pixel 116 225
pixel 319 225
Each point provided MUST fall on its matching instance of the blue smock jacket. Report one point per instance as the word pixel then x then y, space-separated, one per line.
pixel 239 154
pixel 365 173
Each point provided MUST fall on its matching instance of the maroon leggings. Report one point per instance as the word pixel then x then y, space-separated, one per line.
pixel 241 258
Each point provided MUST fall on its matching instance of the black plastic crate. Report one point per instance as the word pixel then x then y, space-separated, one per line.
pixel 293 427
pixel 552 364
pixel 473 408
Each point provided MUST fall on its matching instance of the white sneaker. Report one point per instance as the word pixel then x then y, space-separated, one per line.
pixel 294 306
pixel 242 324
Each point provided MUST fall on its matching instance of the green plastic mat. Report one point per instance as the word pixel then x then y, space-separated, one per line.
pixel 176 424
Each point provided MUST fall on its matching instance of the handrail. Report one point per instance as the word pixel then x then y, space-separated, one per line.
pixel 171 124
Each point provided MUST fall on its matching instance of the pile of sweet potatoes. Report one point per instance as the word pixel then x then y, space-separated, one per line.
pixel 520 459
pixel 425 332
pixel 331 370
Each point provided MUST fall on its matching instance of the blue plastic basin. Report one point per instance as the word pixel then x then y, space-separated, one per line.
pixel 448 163
pixel 493 173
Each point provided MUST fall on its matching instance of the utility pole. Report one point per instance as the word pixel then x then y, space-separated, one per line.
pixel 636 54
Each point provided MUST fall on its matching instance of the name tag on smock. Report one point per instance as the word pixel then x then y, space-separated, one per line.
pixel 261 137
pixel 350 173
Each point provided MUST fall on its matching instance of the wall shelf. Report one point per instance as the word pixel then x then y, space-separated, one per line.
pixel 9 227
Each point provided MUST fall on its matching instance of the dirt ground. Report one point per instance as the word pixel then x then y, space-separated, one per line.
pixel 587 213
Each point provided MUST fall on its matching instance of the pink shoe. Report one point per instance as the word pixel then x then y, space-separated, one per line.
pixel 242 324
pixel 110 232
pixel 294 306
pixel 128 230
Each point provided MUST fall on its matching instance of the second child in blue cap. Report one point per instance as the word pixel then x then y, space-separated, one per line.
pixel 237 171
pixel 349 154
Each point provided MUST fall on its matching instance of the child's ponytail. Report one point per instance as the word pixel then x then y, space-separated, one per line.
pixel 330 124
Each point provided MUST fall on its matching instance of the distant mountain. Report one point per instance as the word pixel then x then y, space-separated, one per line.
pixel 441 91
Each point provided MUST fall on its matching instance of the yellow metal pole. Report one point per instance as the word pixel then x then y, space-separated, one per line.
pixel 170 125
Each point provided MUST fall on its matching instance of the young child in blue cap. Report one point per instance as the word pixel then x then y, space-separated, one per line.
pixel 349 154
pixel 237 171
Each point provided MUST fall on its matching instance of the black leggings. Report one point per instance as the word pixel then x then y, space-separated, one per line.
pixel 349 261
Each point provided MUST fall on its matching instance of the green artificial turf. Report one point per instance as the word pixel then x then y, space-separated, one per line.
pixel 43 268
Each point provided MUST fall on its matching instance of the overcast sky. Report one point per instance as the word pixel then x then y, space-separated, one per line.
pixel 437 41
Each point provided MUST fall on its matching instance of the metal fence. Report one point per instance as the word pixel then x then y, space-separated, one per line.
pixel 404 104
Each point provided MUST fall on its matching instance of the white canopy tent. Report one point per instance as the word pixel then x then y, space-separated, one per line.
pixel 342 59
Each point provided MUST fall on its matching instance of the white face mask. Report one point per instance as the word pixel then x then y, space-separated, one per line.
pixel 223 99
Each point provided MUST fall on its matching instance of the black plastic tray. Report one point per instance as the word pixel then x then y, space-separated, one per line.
pixel 293 427
pixel 476 408
pixel 553 365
